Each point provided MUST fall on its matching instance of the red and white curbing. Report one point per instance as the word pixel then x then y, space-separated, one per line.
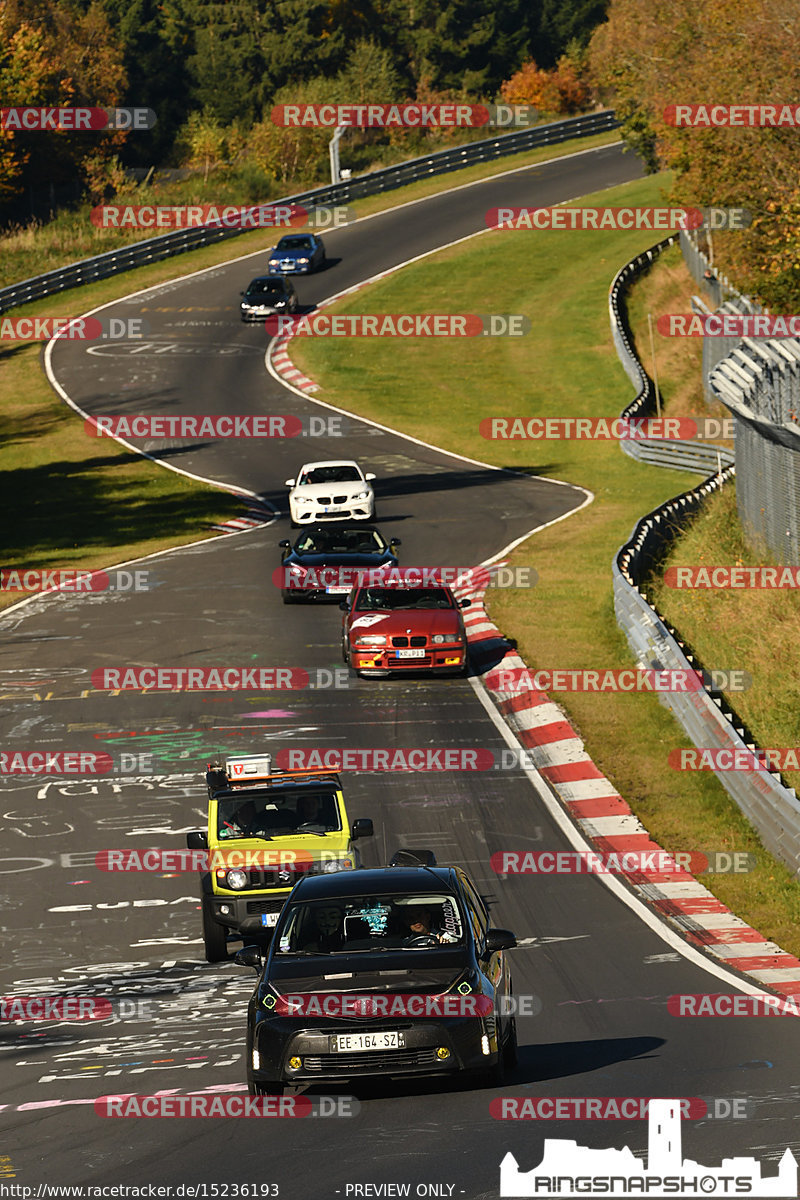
pixel 286 368
pixel 261 515
pixel 609 825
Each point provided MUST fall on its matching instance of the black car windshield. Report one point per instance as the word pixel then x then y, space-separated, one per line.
pixel 254 814
pixel 389 599
pixel 340 541
pixel 338 474
pixel 266 287
pixel 350 924
pixel 295 243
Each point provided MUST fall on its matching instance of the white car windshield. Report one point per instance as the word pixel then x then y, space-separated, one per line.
pixel 342 474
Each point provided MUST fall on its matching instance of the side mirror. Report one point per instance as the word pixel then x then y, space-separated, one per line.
pixel 464 603
pixel 395 542
pixel 285 544
pixel 499 939
pixel 289 482
pixel 362 827
pixel 344 606
pixel 370 475
pixel 250 956
pixel 197 840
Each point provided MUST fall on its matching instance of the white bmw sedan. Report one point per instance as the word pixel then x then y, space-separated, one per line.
pixel 331 491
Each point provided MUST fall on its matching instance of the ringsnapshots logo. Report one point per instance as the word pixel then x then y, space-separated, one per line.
pixel 76 120
pixel 732 116
pixel 55 1008
pixel 567 1169
pixel 33 580
pixel 227 216
pixel 399 325
pixel 72 329
pixel 403 116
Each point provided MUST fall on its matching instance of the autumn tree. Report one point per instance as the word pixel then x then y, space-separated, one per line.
pixel 723 52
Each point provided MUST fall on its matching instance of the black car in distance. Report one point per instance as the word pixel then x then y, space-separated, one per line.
pixel 267 295
pixel 323 557
pixel 391 972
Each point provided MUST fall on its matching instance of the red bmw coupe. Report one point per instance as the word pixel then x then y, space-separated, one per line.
pixel 387 629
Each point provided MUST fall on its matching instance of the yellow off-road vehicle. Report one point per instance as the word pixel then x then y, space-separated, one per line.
pixel 266 828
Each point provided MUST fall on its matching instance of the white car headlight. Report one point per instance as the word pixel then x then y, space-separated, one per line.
pixel 361 496
pixel 371 639
pixel 302 261
pixel 236 880
pixel 302 496
pixel 439 638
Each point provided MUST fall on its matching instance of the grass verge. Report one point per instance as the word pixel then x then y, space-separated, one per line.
pixel 566 366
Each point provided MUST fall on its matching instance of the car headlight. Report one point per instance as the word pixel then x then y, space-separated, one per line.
pixel 326 866
pixel 295 570
pixel 361 496
pixel 439 638
pixel 302 261
pixel 236 880
pixel 302 496
pixel 273 262
pixel 371 639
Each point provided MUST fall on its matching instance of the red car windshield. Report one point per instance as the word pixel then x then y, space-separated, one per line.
pixel 382 599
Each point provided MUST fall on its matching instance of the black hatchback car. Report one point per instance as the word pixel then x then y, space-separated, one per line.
pixel 324 559
pixel 393 971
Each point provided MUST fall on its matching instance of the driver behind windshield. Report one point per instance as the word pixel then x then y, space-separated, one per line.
pixel 422 924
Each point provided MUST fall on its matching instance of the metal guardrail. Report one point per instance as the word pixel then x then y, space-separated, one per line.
pixel 138 254
pixel 758 381
pixel 771 808
pixel 702 457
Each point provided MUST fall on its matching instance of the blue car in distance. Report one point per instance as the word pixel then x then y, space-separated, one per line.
pixel 297 254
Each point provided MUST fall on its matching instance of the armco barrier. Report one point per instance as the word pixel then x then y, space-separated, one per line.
pixel 141 253
pixel 772 808
pixel 702 457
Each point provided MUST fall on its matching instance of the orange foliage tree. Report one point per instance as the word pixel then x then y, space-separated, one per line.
pixel 742 52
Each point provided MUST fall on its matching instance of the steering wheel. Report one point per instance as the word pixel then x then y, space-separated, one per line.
pixel 421 939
